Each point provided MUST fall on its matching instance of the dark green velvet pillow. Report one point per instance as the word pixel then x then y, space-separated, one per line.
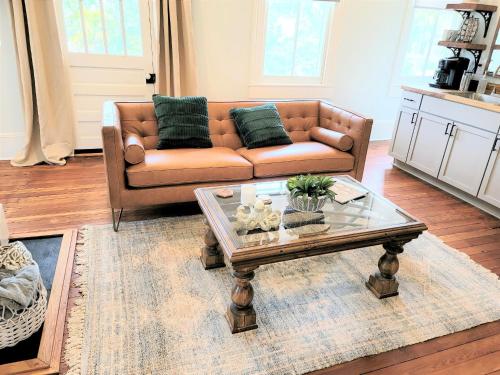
pixel 182 122
pixel 260 126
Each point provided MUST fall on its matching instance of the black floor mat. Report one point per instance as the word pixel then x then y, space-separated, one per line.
pixel 45 251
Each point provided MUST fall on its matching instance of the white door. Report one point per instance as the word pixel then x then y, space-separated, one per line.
pixel 429 142
pixel 109 52
pixel 490 186
pixel 466 157
pixel 402 134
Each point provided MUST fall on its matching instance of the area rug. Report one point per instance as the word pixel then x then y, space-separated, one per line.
pixel 149 307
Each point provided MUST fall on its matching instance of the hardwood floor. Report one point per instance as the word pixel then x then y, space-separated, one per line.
pixel 49 198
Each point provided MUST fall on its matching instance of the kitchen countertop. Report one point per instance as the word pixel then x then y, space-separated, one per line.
pixel 448 95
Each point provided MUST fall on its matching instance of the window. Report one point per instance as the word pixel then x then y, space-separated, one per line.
pixel 103 26
pixel 296 33
pixel 422 51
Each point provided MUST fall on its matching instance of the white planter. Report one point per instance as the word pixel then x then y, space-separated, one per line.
pixel 307 205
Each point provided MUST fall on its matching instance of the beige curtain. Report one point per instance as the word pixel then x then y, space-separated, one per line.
pixel 45 85
pixel 177 74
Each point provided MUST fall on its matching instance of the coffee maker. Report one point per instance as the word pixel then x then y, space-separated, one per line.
pixel 450 72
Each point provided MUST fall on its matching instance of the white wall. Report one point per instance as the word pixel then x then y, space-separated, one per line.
pixel 363 49
pixel 11 112
pixel 222 32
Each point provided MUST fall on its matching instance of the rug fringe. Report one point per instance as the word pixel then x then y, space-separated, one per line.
pixel 76 319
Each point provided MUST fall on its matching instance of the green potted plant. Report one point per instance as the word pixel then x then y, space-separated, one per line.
pixel 309 193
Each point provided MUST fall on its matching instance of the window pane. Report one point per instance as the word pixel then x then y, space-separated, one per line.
pixel 311 35
pixel 114 35
pixel 73 26
pixel 295 37
pixel 423 53
pixel 93 26
pixel 133 32
pixel 280 37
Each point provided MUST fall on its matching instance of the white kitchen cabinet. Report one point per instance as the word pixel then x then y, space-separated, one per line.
pixel 429 143
pixel 466 157
pixel 490 186
pixel 402 133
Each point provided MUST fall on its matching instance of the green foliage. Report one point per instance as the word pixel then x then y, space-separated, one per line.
pixel 310 186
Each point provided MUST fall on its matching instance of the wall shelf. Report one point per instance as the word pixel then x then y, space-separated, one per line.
pixel 456 47
pixel 465 9
pixel 462 45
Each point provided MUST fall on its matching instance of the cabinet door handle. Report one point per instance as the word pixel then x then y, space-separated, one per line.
pixel 494 148
pixel 409 100
pixel 413 117
pixel 451 130
pixel 447 126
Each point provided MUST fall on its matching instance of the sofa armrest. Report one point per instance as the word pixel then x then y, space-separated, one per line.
pixel 113 151
pixel 354 125
pixel 332 138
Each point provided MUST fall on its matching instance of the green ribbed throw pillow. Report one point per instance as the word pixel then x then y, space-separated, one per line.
pixel 182 122
pixel 260 126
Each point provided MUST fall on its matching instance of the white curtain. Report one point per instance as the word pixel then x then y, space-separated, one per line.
pixel 45 84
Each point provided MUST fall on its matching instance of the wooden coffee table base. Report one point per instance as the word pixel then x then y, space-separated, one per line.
pixel 240 314
pixel 384 284
pixel 211 254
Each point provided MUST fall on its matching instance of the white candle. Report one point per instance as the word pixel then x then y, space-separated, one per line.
pixel 4 231
pixel 248 194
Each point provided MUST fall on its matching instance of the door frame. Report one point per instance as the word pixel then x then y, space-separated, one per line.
pixel 79 88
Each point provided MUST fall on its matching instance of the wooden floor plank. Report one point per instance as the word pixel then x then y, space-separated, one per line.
pixel 444 359
pixel 482 365
pixel 53 198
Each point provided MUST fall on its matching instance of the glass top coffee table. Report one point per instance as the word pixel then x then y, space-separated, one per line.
pixel 370 220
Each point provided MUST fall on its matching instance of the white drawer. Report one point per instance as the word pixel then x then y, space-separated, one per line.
pixel 411 99
pixel 466 114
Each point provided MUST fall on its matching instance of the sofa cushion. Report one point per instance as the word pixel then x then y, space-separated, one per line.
pixel 184 166
pixel 182 122
pixel 260 126
pixel 300 157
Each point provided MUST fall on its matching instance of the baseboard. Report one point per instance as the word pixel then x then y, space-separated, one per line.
pixel 486 207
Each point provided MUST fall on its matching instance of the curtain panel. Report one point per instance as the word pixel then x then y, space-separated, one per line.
pixel 177 75
pixel 45 84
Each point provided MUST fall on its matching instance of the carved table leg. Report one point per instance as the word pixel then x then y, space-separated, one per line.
pixel 211 254
pixel 240 314
pixel 384 284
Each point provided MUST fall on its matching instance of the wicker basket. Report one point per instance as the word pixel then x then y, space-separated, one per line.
pixel 17 325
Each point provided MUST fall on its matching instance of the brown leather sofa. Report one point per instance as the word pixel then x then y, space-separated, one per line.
pixel 168 176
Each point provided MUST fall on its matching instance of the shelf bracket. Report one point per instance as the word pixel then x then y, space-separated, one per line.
pixel 484 13
pixel 464 13
pixel 455 51
pixel 487 19
pixel 477 56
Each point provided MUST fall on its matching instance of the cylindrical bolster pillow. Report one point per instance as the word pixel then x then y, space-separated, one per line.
pixel 332 138
pixel 134 149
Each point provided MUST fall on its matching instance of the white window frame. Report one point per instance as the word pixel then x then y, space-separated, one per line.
pixel 259 44
pixel 396 79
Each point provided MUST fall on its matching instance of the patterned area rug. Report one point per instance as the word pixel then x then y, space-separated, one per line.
pixel 148 306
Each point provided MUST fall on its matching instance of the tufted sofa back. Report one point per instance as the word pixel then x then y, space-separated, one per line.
pixel 298 117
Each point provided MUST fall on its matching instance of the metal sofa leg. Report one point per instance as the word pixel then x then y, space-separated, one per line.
pixel 116 222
